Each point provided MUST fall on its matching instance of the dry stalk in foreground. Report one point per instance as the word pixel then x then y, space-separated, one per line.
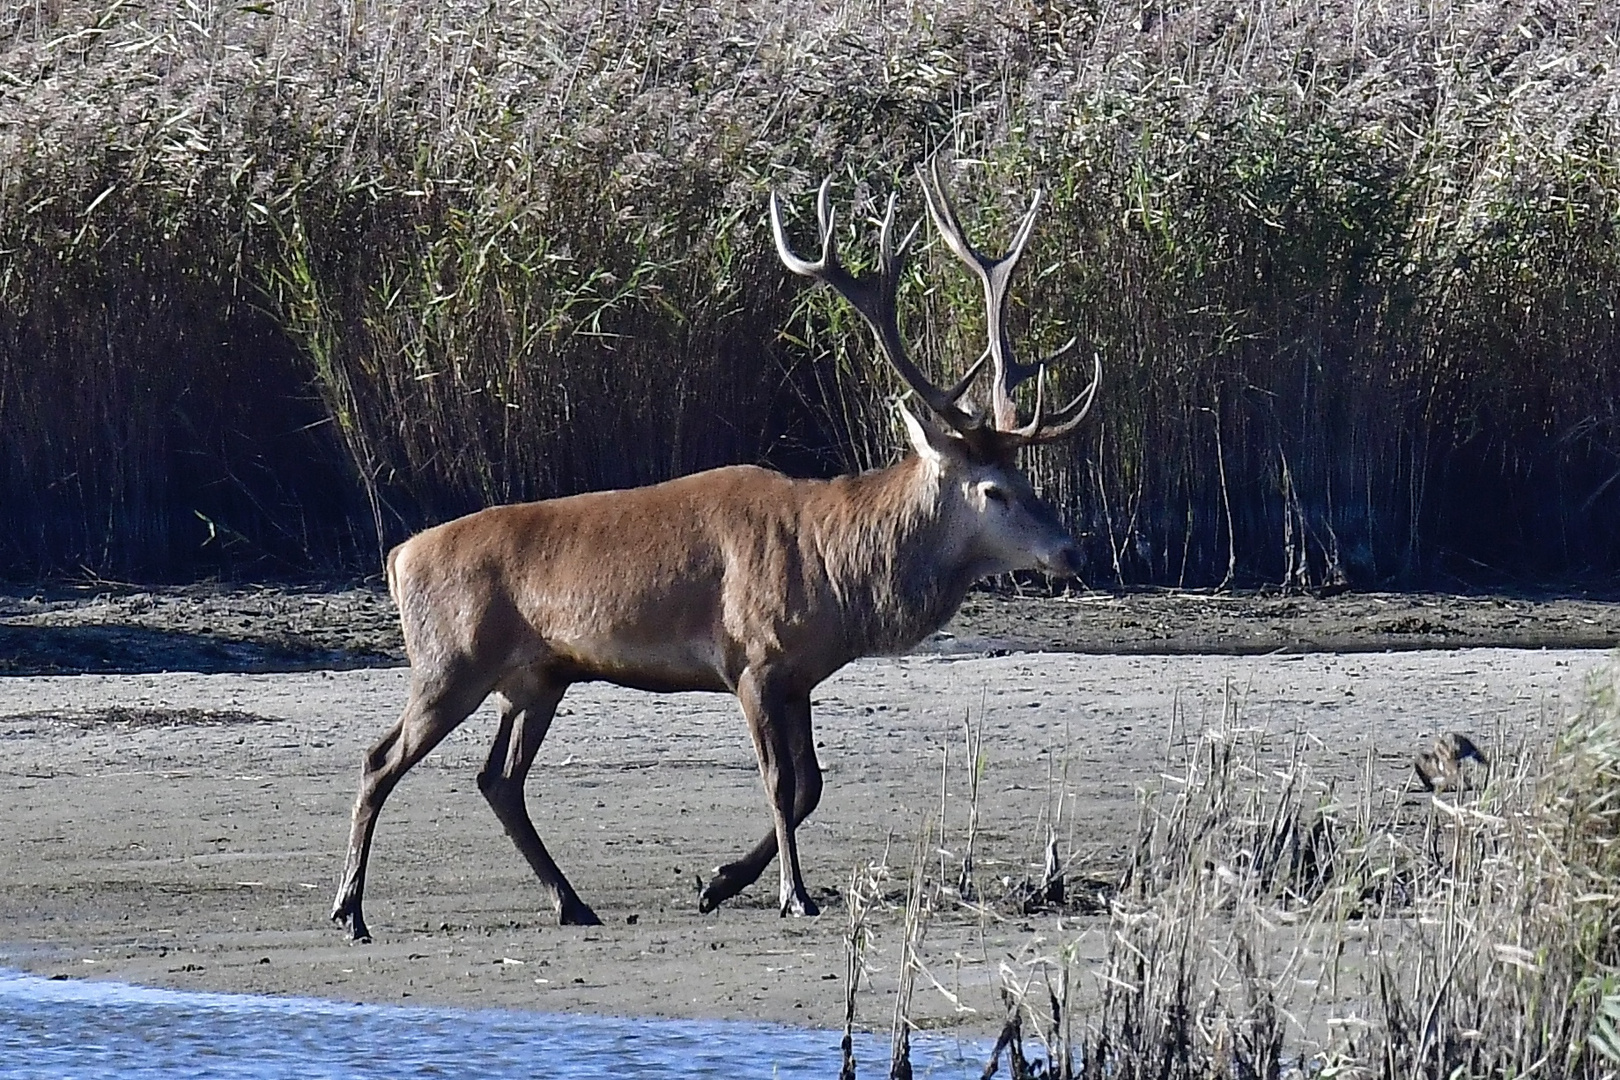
pixel 920 901
pixel 1272 926
pixel 1277 924
pixel 865 889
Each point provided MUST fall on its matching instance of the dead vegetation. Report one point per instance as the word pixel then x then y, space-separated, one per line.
pixel 281 282
pixel 1272 924
pixel 137 717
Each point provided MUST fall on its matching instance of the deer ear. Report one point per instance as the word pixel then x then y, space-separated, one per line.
pixel 932 442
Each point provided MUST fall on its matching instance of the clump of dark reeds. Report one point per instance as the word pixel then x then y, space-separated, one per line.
pixel 280 282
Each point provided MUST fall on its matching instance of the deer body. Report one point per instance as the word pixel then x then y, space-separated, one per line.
pixel 682 585
pixel 736 580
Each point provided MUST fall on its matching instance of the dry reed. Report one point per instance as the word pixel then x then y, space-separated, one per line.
pixel 1271 924
pixel 283 281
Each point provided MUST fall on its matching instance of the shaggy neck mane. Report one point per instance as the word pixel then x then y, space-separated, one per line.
pixel 891 564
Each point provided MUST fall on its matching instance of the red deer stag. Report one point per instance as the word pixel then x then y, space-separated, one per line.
pixel 738 580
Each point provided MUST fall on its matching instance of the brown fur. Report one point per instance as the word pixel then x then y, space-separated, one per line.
pixel 684 583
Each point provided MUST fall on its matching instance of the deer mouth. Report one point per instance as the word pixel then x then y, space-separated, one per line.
pixel 1064 561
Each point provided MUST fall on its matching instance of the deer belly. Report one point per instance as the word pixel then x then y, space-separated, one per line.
pixel 660 666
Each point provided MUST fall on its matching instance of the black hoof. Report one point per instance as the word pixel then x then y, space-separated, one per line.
pixel 577 913
pixel 800 906
pixel 346 915
pixel 715 893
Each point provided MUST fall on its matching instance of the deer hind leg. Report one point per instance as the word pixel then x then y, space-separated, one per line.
pixel 787 763
pixel 435 708
pixel 526 714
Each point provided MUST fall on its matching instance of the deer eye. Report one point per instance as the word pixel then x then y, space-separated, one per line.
pixel 994 494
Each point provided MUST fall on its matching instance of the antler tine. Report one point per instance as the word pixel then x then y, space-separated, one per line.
pixel 1026 229
pixel 802 267
pixel 1029 431
pixel 824 218
pixel 893 258
pixel 1046 361
pixel 943 213
pixel 875 296
pixel 1066 419
pixel 955 393
pixel 1006 373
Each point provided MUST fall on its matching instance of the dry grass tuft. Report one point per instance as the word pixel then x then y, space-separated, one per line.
pixel 1272 926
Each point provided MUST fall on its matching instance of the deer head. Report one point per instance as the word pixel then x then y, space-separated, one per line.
pixel 988 504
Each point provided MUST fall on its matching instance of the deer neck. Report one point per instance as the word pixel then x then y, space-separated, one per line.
pixel 892 565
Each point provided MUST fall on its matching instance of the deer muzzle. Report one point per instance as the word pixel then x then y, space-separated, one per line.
pixel 1064 560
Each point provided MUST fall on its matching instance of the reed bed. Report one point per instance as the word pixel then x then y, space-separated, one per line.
pixel 283 281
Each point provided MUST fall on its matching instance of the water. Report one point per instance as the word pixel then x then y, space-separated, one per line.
pixel 72 1029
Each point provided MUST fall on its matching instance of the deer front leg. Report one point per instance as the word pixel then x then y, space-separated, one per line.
pixel 780 726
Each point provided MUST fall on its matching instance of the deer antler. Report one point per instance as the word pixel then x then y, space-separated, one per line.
pixel 1006 372
pixel 875 297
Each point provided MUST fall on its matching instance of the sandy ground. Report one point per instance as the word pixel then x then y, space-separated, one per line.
pixel 186 829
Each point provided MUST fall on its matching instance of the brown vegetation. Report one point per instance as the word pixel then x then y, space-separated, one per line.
pixel 282 282
pixel 1271 924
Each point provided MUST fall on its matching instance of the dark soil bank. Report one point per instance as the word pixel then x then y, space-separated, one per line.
pixel 220 629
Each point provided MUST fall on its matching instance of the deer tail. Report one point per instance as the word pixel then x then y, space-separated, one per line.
pixel 393 576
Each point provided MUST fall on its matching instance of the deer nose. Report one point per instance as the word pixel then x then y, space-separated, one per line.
pixel 1065 561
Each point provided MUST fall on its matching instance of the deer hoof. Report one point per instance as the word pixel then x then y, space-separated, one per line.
pixel 800 905
pixel 577 913
pixel 720 889
pixel 357 925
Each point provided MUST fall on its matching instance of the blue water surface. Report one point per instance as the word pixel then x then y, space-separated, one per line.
pixel 72 1028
